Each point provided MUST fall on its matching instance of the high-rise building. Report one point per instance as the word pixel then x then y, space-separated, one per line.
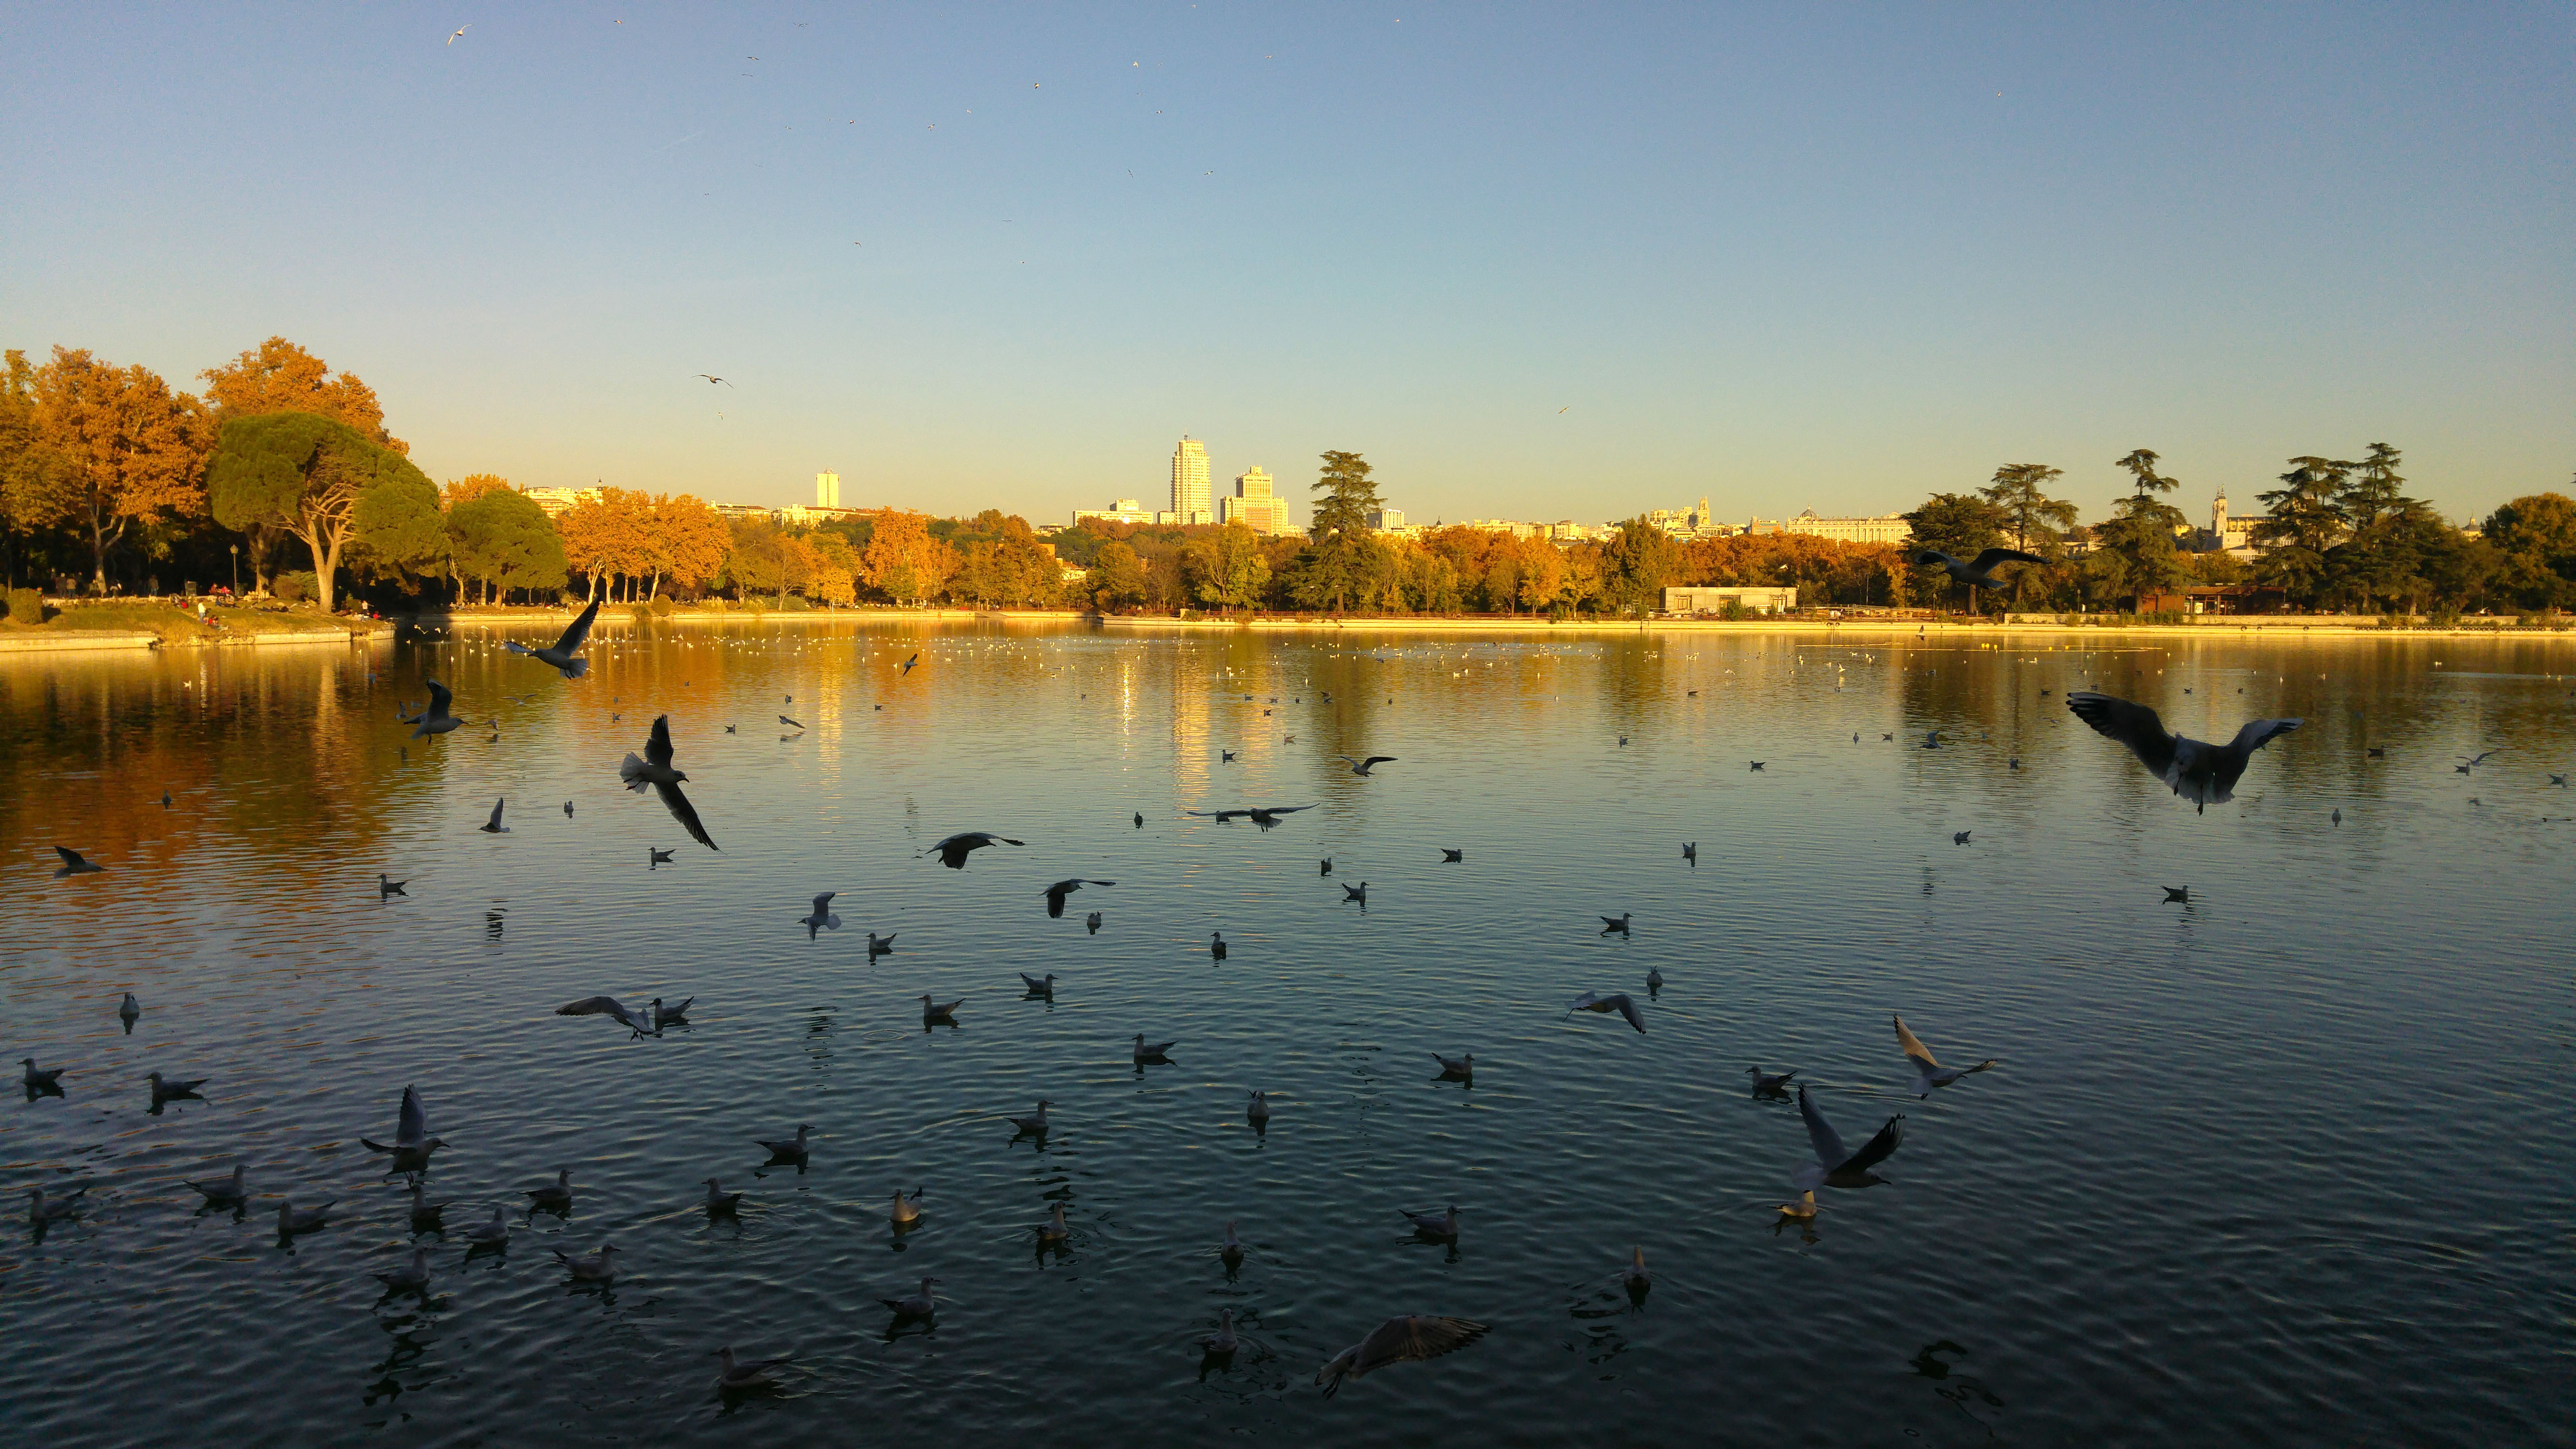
pixel 1255 504
pixel 827 490
pixel 1385 519
pixel 1190 482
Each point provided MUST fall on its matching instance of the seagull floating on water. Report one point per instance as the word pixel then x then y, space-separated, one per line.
pixel 1456 1066
pixel 906 1210
pixel 1442 1226
pixel 736 1374
pixel 1152 1052
pixel 1033 1126
pixel 129 1009
pixel 556 1199
pixel 1216 945
pixel 599 1267
pixel 1618 923
pixel 166 1090
pixel 292 1219
pixel 1039 985
pixel 1223 1342
pixel 880 945
pixel 412 1277
pixel 792 1149
pixel 1257 1112
pixel 917 1305
pixel 719 1202
pixel 936 1011
pixel 2200 772
pixel 492 1234
pixel 1768 1085
pixel 48 1080
pixel 388 886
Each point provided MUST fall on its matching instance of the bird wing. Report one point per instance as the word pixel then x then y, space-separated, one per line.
pixel 1628 1009
pixel 1281 809
pixel 1913 1047
pixel 1414 1336
pixel 1935 556
pixel 657 750
pixel 496 810
pixel 1889 1138
pixel 823 903
pixel 580 630
pixel 684 812
pixel 412 1123
pixel 439 697
pixel 2258 733
pixel 1828 1144
pixel 2133 725
pixel 1993 556
pixel 69 855
pixel 1364 764
pixel 592 1006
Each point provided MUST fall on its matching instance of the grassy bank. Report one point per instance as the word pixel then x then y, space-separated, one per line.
pixel 173 624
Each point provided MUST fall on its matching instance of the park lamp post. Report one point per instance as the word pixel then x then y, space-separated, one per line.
pixel 236 550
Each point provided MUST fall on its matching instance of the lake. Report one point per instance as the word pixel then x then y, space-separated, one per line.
pixel 2286 1163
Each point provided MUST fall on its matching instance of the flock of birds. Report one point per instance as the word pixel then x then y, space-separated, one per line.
pixel 2201 772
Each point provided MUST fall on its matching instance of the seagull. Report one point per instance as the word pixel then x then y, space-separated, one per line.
pixel 223 1191
pixel 1326 865
pixel 1768 1085
pixel 424 1213
pixel 1447 855
pixel 493 1234
pixel 638 1022
pixel 1225 757
pixel 670 1015
pixel 1960 837
pixel 1216 945
pixel 412 1139
pixel 1976 573
pixel 494 826
pixel 1231 1250
pixel 41 1210
pixel 1803 1209
pixel 48 1080
pixel 412 1277
pixel 1054 1230
pixel 1756 764
pixel 2336 815
pixel 1040 985
pixel 1621 1003
pixel 906 1210
pixel 719 1201
pixel 822 919
pixel 2478 759
pixel 1932 740
pixel 2203 773
pixel 1654 980
pixel 459 35
pixel 2177 893
pixel 434 718
pixel 75 864
pixel 654 857
pixel 1690 852
pixel 907 664
pixel 129 1009
pixel 1092 923
pixel 953 851
pixel 655 770
pixel 1634 1277
pixel 1618 924
pixel 880 945
pixel 387 886
pixel 1257 1112
pixel 782 719
pixel 1035 1126
pixel 599 1267
pixel 711 378
pixel 1357 893
pixel 918 1305
pixel 792 1149
pixel 1443 1226
pixel 734 1375
pixel 166 1090
pixel 934 1011
pixel 1363 767
pixel 1223 1342
pixel 1837 1165
pixel 1056 893
pixel 1456 1066
pixel 1408 1336
pixel 1929 1073
pixel 1153 1052
pixel 556 1199
pixel 565 655
pixel 292 1220
pixel 1140 819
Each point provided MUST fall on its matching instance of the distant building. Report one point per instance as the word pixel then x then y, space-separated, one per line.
pixel 797 515
pixel 827 490
pixel 1385 520
pixel 1125 510
pixel 1713 600
pixel 1190 501
pixel 1879 528
pixel 1255 504
pixel 2234 536
pixel 555 501
pixel 1685 522
pixel 1503 525
pixel 751 512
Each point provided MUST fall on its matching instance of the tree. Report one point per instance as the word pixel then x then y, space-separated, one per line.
pixel 471 486
pixel 2303 521
pixel 2036 521
pixel 611 538
pixel 692 539
pixel 501 537
pixel 2534 541
pixel 2133 553
pixel 1331 571
pixel 903 561
pixel 1225 567
pixel 1960 524
pixel 1636 563
pixel 279 377
pixel 1001 561
pixel 135 451
pixel 39 487
pixel 836 568
pixel 1117 577
pixel 324 482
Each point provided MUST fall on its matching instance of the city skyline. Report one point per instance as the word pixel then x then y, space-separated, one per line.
pixel 1869 246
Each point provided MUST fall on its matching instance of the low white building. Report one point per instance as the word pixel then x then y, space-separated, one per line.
pixel 1713 599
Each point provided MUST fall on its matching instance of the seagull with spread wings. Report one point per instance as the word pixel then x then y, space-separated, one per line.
pixel 1364 767
pixel 712 379
pixel 565 653
pixel 641 1023
pixel 434 717
pixel 74 863
pixel 1978 572
pixel 1401 1339
pixel 1837 1165
pixel 1928 1073
pixel 1622 1003
pixel 953 851
pixel 1056 893
pixel 2198 771
pixel 655 770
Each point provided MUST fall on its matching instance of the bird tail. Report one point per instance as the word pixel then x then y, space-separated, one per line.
pixel 631 770
pixel 576 669
pixel 1808 1177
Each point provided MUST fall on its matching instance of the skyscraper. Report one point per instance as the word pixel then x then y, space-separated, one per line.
pixel 1253 503
pixel 827 490
pixel 1190 481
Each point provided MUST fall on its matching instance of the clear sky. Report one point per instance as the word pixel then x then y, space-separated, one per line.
pixel 1533 261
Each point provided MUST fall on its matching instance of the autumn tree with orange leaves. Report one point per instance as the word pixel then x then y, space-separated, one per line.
pixel 134 450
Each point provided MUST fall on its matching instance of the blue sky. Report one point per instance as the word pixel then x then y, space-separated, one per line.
pixel 1535 262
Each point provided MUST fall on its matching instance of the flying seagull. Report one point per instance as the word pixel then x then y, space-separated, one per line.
pixel 1056 893
pixel 459 35
pixel 1621 1003
pixel 1363 767
pixel 1978 573
pixel 712 379
pixel 566 653
pixel 2200 772
pixel 953 851
pixel 75 864
pixel 1837 1165
pixel 782 719
pixel 1398 1340
pixel 655 770
pixel 1928 1073
pixel 434 718
pixel 907 664
pixel 822 919
pixel 494 826
pixel 638 1022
